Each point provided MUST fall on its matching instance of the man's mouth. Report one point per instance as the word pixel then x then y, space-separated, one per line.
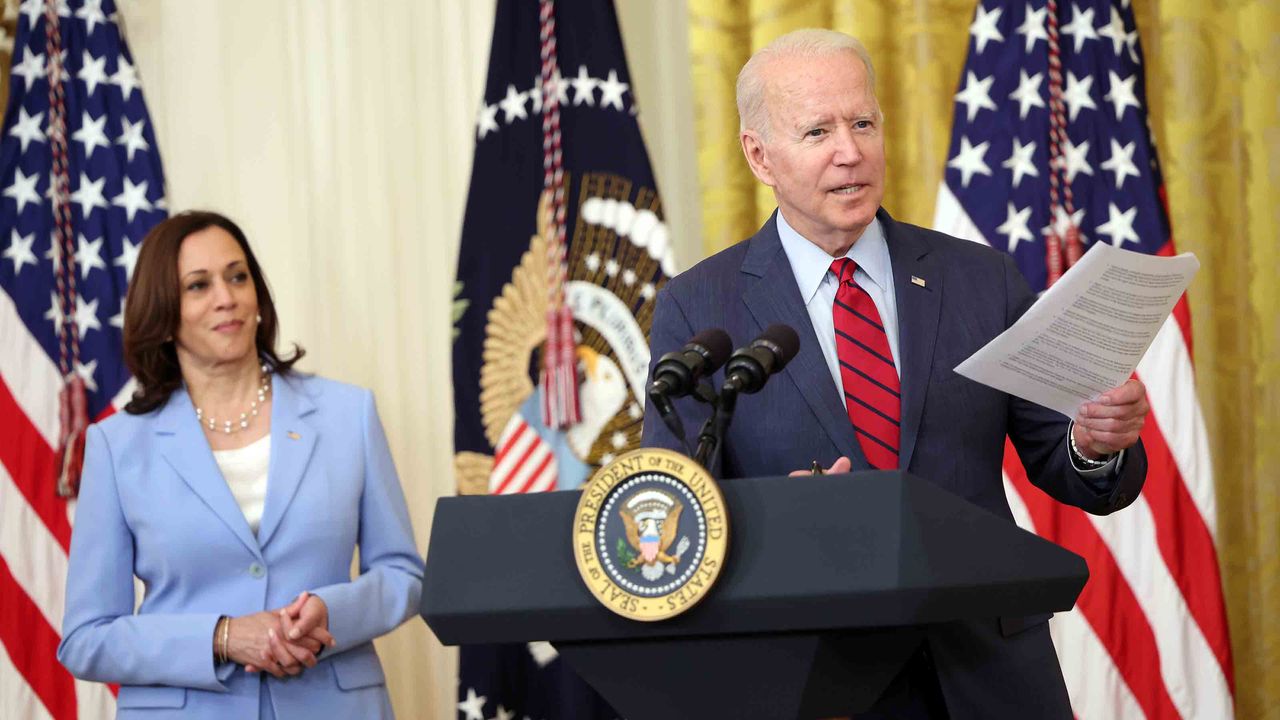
pixel 848 189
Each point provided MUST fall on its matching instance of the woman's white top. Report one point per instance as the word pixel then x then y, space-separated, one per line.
pixel 245 470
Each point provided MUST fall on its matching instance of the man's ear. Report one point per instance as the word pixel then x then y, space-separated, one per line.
pixel 753 148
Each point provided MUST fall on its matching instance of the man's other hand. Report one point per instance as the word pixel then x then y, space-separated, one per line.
pixel 841 465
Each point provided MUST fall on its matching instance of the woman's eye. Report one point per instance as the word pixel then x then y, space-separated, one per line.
pixel 240 277
pixel 196 286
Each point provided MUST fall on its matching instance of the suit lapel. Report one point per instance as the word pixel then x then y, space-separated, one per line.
pixel 918 311
pixel 187 452
pixel 292 442
pixel 773 297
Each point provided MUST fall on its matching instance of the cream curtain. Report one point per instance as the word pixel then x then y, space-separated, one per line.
pixel 1211 73
pixel 340 135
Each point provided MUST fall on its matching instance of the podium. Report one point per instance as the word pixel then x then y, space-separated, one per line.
pixel 829 586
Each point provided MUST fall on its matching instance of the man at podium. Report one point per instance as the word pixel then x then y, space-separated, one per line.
pixel 885 311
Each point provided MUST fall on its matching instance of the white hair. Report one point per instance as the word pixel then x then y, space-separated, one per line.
pixel 809 42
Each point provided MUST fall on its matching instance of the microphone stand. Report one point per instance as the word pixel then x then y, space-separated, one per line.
pixel 711 437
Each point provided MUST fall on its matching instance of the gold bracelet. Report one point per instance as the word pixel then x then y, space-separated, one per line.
pixel 224 629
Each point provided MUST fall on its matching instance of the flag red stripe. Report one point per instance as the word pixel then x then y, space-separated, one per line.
pixel 511 441
pixel 1107 602
pixel 32 646
pixel 1186 545
pixel 30 463
pixel 524 457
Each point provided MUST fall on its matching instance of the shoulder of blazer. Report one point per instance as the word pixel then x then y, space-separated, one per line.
pixel 724 267
pixel 122 429
pixel 325 393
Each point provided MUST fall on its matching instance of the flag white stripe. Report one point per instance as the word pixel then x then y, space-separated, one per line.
pixel 33 555
pixel 1167 371
pixel 509 462
pixel 949 217
pixel 1093 682
pixel 16 696
pixel 526 469
pixel 94 700
pixel 28 372
pixel 1095 686
pixel 1190 670
pixel 546 480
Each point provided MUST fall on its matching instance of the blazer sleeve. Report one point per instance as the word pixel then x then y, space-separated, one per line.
pixel 389 587
pixel 1040 436
pixel 102 639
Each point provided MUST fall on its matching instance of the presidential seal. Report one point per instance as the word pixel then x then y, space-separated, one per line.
pixel 650 534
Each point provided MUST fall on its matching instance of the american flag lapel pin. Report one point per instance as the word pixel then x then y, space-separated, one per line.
pixel 294 436
pixel 917 281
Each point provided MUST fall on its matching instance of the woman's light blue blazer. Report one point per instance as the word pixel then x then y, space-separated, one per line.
pixel 153 504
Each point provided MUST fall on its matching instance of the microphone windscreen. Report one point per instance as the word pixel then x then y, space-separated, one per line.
pixel 786 340
pixel 718 346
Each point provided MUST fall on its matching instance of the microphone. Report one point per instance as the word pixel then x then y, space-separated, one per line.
pixel 750 367
pixel 677 373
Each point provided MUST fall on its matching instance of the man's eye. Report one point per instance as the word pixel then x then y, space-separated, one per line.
pixel 816 132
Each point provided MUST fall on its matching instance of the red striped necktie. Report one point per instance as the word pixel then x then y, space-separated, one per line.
pixel 872 395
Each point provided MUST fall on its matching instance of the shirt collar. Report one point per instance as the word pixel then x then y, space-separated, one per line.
pixel 810 263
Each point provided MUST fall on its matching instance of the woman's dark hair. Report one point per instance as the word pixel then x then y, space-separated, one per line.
pixel 154 310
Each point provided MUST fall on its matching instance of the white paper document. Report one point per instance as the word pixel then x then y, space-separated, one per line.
pixel 1086 334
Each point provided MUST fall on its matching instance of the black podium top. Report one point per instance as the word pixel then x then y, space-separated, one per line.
pixel 871 549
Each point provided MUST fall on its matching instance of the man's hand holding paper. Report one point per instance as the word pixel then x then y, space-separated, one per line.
pixel 1112 422
pixel 1073 350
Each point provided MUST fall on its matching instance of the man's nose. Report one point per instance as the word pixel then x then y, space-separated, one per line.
pixel 847 150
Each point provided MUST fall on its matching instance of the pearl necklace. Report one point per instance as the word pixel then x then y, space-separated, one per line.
pixel 228 426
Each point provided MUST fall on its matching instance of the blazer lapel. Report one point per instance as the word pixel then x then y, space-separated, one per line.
pixel 188 453
pixel 919 306
pixel 772 297
pixel 292 442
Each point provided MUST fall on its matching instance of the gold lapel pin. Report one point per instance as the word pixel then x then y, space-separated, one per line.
pixel 917 281
pixel 294 436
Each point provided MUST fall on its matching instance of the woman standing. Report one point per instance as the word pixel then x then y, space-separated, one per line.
pixel 236 489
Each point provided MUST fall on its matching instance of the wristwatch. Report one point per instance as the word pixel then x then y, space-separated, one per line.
pixel 1080 460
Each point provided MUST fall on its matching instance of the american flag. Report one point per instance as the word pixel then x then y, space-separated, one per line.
pixel 1051 152
pixel 75 111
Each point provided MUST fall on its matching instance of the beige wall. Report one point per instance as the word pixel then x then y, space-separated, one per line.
pixel 340 134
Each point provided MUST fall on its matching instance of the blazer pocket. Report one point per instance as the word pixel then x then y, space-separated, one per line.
pixel 357 668
pixel 151 696
pixel 1014 624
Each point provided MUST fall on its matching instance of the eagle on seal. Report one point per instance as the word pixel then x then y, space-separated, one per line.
pixel 652 535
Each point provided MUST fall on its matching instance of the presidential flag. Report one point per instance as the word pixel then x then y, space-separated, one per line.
pixel 564 247
pixel 1050 153
pixel 80 186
